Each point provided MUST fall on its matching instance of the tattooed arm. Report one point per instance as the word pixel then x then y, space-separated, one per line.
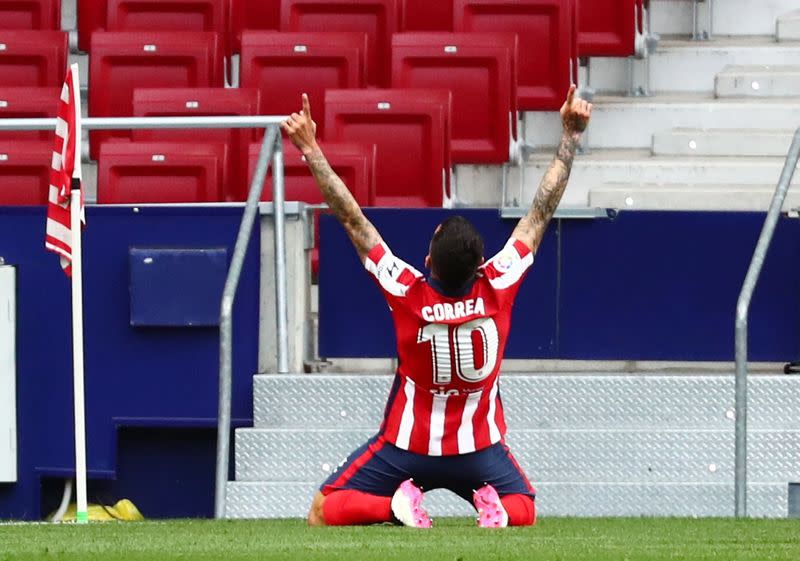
pixel 302 131
pixel 575 115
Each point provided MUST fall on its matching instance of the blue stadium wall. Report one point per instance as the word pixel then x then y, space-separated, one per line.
pixel 640 286
pixel 646 286
pixel 151 390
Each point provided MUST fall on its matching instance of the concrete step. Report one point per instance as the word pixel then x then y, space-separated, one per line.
pixel 758 81
pixel 253 500
pixel 789 26
pixel 480 186
pixel 682 65
pixel 637 167
pixel 566 456
pixel 689 197
pixel 730 17
pixel 716 142
pixel 624 122
pixel 544 401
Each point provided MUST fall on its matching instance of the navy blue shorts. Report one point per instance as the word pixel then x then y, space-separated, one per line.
pixel 379 467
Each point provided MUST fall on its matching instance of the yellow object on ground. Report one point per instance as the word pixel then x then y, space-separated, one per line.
pixel 124 510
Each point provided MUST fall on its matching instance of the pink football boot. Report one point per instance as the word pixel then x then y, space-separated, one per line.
pixel 407 506
pixel 491 513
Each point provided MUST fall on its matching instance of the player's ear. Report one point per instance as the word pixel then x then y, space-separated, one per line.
pixel 428 262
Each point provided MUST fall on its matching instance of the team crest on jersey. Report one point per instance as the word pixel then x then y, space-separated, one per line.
pixel 504 261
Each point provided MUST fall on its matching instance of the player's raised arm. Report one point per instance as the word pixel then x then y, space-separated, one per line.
pixel 302 131
pixel 575 114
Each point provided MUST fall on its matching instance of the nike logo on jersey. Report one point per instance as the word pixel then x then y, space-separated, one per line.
pixel 457 310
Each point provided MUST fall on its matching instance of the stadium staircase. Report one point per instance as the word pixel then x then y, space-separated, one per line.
pixel 593 445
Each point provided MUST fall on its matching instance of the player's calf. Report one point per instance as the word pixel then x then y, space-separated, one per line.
pixel 349 507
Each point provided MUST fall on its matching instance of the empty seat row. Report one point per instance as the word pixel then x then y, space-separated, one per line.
pixel 547 31
pixel 606 27
pixel 547 56
pixel 407 130
pixel 480 67
pixel 141 172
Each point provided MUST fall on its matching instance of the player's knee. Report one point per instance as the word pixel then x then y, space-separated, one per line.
pixel 316 514
pixel 521 510
pixel 530 515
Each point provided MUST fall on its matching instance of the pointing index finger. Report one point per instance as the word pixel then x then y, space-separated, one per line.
pixel 306 106
pixel 571 94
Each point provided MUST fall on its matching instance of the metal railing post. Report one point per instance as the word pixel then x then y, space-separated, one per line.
pixel 281 304
pixel 226 319
pixel 742 312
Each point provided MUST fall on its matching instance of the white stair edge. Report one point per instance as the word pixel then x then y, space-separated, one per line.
pixel 689 197
pixel 758 81
pixel 722 142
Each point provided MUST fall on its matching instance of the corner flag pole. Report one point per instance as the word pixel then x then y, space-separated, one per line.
pixel 76 222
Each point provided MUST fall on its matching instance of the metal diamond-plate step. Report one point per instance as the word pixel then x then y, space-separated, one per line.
pixel 543 402
pixel 556 456
pixel 291 500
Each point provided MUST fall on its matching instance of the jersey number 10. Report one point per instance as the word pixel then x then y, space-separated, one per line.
pixel 472 347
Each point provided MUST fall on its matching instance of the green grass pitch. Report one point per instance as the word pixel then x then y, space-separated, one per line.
pixel 450 540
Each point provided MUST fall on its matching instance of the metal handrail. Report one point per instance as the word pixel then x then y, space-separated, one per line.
pixel 272 146
pixel 269 148
pixel 742 312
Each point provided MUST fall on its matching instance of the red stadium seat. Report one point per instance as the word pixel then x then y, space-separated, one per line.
pixel 25 172
pixel 480 71
pixel 19 103
pixel 201 102
pixel 150 15
pixel 254 15
pixel 91 17
pixel 124 60
pixel 160 172
pixel 547 43
pixel 354 163
pixel 285 65
pixel 32 58
pixel 411 130
pixel 379 19
pixel 427 15
pixel 30 14
pixel 607 27
pixel 170 15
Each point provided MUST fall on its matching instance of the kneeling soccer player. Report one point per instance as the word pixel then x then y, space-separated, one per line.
pixel 444 425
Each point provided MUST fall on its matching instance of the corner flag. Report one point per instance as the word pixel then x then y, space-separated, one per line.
pixel 65 216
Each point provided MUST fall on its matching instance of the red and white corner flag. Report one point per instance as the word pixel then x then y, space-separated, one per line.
pixel 65 217
pixel 66 171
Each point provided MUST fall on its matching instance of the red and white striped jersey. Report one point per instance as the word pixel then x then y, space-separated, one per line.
pixel 445 399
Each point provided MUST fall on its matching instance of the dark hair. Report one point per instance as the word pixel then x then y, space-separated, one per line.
pixel 456 252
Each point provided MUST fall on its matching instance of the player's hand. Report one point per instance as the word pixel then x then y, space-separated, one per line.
pixel 575 113
pixel 301 128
